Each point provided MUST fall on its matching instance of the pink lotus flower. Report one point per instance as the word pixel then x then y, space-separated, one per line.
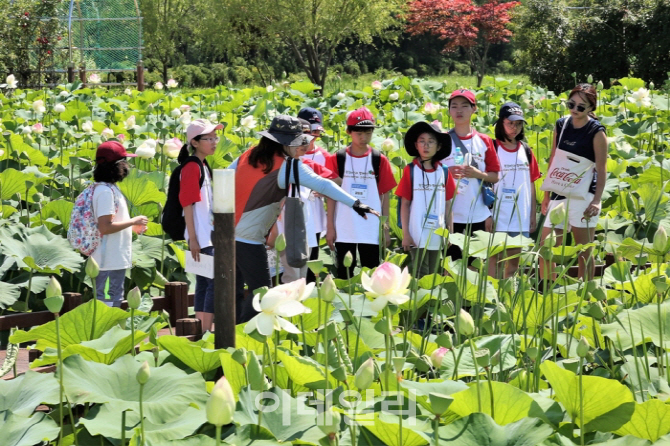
pixel 376 85
pixel 94 78
pixel 438 124
pixel 38 128
pixel 172 147
pixel 388 284
pixel 121 137
pixel 429 107
pixel 158 85
pixel 171 83
pixel 437 356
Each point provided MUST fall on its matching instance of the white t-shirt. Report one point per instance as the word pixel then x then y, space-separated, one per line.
pixel 359 181
pixel 203 217
pixel 317 210
pixel 468 204
pixel 513 191
pixel 115 250
pixel 427 187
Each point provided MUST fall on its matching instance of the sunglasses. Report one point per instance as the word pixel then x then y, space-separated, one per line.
pixel 580 108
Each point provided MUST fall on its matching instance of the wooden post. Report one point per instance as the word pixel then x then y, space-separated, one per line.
pixel 224 258
pixel 176 294
pixel 82 74
pixel 71 301
pixel 140 75
pixel 188 327
pixel 70 73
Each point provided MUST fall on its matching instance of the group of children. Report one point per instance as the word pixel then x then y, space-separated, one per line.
pixel 449 184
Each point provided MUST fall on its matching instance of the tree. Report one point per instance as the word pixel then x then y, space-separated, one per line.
pixel 464 24
pixel 310 29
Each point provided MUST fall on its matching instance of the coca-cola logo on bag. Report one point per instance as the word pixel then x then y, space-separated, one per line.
pixel 565 175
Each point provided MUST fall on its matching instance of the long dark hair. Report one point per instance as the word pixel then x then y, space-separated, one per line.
pixel 184 152
pixel 264 153
pixel 589 93
pixel 111 172
pixel 501 134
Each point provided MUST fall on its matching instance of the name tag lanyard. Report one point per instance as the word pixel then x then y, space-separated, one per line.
pixel 429 204
pixel 353 171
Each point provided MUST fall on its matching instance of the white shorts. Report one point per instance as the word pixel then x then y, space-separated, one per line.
pixel 575 208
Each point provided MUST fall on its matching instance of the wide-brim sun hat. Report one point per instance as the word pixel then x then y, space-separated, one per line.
pixel 443 139
pixel 287 131
pixel 201 127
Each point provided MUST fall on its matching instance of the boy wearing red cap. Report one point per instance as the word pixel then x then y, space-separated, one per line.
pixel 366 174
pixel 473 161
pixel 114 254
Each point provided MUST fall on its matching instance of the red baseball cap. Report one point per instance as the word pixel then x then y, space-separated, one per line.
pixel 361 118
pixel 111 151
pixel 467 94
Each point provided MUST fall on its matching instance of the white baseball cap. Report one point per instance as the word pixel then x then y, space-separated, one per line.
pixel 201 127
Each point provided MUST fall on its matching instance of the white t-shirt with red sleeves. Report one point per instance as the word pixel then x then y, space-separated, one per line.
pixel 359 181
pixel 468 204
pixel 318 156
pixel 430 188
pixel 513 191
pixel 201 199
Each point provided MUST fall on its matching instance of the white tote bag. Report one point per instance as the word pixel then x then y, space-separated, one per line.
pixel 569 175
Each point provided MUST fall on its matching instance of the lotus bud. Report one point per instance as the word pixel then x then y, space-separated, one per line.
pixel 437 356
pixel 557 215
pixel 256 375
pixel 143 374
pixel 240 356
pixel 439 403
pixel 329 421
pixel 165 315
pixel 221 403
pixel 53 288
pixel 54 303
pixel 600 85
pixel 59 108
pixel 365 375
pixel 134 298
pixel 394 96
pixel 341 96
pixel 583 347
pixel 660 240
pixel 651 85
pixel 589 79
pixel 128 92
pixel 495 359
pixel 466 325
pixel 280 243
pixel 175 113
pixel 315 266
pixel 328 289
pixel 348 259
pixel 388 145
pixel 156 352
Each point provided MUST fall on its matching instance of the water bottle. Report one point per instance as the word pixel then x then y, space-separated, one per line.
pixel 458 157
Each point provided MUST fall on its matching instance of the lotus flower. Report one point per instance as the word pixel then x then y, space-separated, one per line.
pixel 87 126
pixel 158 85
pixel 107 133
pixel 128 92
pixel 273 308
pixel 121 137
pixel 641 97
pixel 38 128
pixel 388 145
pixel 270 88
pixel 64 94
pixel 38 106
pixel 94 78
pixel 172 147
pixel 328 289
pixel 130 122
pixel 376 85
pixel 147 149
pixel 171 83
pixel 437 123
pixel 600 85
pixel 437 356
pixel 388 284
pixel 175 113
pixel 429 107
pixel 466 325
pixel 394 96
pixel 185 108
pixel 341 96
pixel 185 119
pixel 212 117
pixel 26 130
pixel 59 108
pixel 221 404
pixel 248 122
pixel 660 240
pixel 10 81
pixel 365 375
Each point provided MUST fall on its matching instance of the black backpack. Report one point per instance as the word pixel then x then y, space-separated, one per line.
pixel 341 156
pixel 172 220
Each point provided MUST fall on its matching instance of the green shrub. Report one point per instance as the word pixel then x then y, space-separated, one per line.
pixel 351 67
pixel 462 69
pixel 241 75
pixel 410 72
pixel 504 67
pixel 220 74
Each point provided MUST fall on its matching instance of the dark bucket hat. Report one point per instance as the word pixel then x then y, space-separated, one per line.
pixel 287 131
pixel 424 127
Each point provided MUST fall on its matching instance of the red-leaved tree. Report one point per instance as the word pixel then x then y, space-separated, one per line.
pixel 464 24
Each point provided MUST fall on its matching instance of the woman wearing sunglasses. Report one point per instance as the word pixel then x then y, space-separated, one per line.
pixel 583 135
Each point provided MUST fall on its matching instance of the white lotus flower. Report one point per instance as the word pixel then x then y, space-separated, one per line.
pixel 158 85
pixel 298 290
pixel 171 83
pixel 38 128
pixel 212 117
pixel 341 96
pixel 388 145
pixel 108 133
pixel 376 85
pixel 429 107
pixel 64 94
pixel 185 119
pixel 146 150
pixel 185 108
pixel 130 122
pixel 59 108
pixel 26 130
pixel 11 82
pixel 2 152
pixel 38 106
pixel 128 92
pixel 248 122
pixel 641 97
pixel 394 96
pixel 87 126
pixel 273 308
pixel 388 284
pixel 270 88
pixel 175 113
pixel 172 147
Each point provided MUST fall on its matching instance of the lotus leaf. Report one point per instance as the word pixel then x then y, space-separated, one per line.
pixel 22 431
pixel 197 355
pixel 24 393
